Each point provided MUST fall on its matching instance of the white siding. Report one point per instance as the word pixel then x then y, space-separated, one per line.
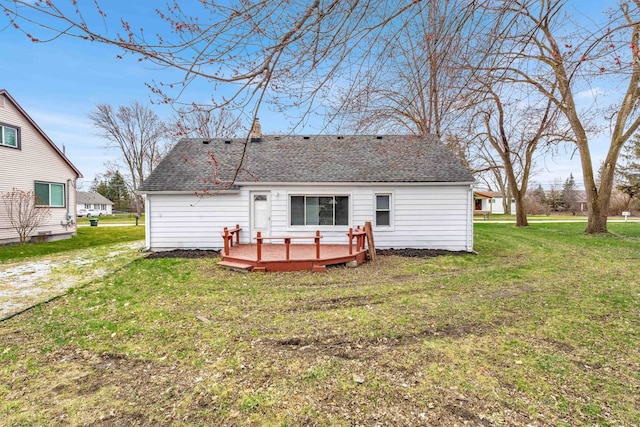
pixel 425 216
pixel 192 222
pixel 497 206
pixel 36 160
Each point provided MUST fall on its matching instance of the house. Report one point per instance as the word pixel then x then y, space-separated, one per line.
pixel 498 201
pixel 491 202
pixel 30 161
pixel 482 202
pixel 96 201
pixel 413 190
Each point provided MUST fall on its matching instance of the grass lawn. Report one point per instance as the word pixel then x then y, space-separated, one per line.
pixel 88 237
pixel 119 218
pixel 542 327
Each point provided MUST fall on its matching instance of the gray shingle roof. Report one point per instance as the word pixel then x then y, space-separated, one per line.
pixel 201 164
pixel 85 197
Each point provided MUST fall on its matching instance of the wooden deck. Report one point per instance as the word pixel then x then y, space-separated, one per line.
pixel 265 256
pixel 301 257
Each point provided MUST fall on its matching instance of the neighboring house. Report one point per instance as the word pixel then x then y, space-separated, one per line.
pixel 497 202
pixel 481 202
pixel 96 201
pixel 30 161
pixel 413 190
pixel 491 202
pixel 582 204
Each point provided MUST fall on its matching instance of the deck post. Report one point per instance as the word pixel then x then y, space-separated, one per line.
pixel 350 241
pixel 317 241
pixel 369 234
pixel 226 241
pixel 287 242
pixel 238 234
pixel 259 245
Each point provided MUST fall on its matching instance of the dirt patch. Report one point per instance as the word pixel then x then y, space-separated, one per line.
pixel 26 284
pixel 185 253
pixel 407 252
pixel 418 253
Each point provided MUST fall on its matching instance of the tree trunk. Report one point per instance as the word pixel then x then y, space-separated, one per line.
pixel 521 210
pixel 597 222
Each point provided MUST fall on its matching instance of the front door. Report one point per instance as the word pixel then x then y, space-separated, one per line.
pixel 261 214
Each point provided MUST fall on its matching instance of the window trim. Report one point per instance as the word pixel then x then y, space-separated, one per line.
pixel 333 227
pixel 49 184
pixel 18 136
pixel 376 210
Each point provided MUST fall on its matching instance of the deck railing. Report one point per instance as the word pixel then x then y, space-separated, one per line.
pixel 359 234
pixel 227 236
pixel 287 243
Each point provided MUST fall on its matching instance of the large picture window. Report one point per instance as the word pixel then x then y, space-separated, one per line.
pixel 9 136
pixel 319 210
pixel 49 194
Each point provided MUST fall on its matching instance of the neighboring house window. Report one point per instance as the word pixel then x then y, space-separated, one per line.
pixel 9 136
pixel 87 206
pixel 319 210
pixel 383 210
pixel 50 194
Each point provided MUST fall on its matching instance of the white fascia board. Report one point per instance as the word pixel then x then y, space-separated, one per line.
pixel 351 184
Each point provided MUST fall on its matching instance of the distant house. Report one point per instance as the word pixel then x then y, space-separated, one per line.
pixel 582 204
pixel 497 202
pixel 491 202
pixel 481 202
pixel 413 190
pixel 96 201
pixel 30 161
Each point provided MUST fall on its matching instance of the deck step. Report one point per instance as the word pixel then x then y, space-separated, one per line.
pixel 238 266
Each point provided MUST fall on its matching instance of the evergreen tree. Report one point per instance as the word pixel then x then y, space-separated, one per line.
pixel 554 197
pixel 118 192
pixel 115 189
pixel 628 170
pixel 569 195
pixel 100 186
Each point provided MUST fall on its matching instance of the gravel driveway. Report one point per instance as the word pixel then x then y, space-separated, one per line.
pixel 28 283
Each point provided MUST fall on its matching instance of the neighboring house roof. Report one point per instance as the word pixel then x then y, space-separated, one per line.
pixel 6 94
pixel 495 194
pixel 198 164
pixel 581 196
pixel 482 195
pixel 85 197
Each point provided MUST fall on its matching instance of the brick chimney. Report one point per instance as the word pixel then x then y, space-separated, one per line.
pixel 256 131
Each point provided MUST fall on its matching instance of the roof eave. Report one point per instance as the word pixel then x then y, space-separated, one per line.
pixel 188 192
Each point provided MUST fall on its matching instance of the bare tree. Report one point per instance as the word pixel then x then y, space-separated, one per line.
pixel 200 121
pixel 138 134
pixel 24 213
pixel 515 129
pixel 539 51
pixel 418 84
pixel 287 50
pixel 293 52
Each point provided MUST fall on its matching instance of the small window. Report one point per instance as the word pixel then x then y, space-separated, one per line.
pixel 49 194
pixel 319 210
pixel 9 136
pixel 383 210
